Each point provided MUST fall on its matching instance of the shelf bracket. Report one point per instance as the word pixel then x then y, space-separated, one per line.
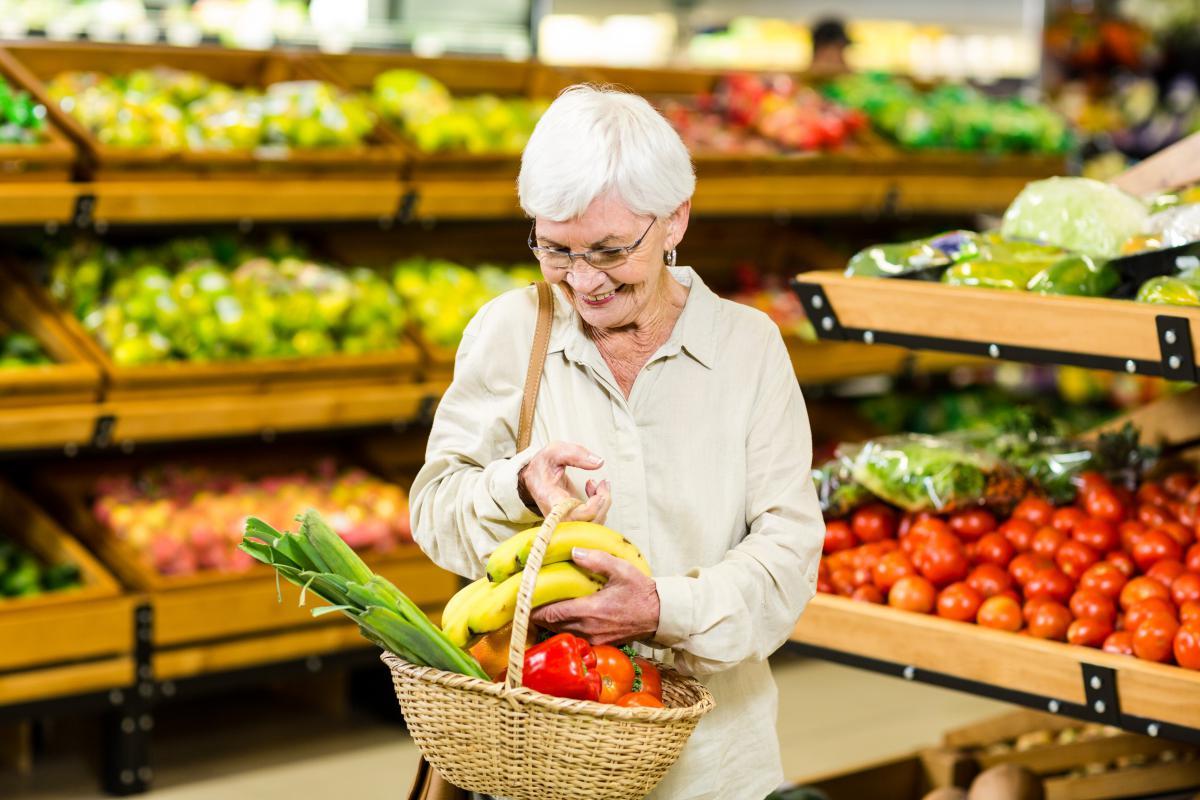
pixel 406 209
pixel 1100 689
pixel 820 312
pixel 102 434
pixel 1175 344
pixel 85 209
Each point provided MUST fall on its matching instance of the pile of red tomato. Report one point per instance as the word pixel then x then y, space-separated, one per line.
pixel 1117 570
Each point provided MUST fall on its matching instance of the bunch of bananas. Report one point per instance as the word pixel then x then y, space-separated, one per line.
pixel 489 603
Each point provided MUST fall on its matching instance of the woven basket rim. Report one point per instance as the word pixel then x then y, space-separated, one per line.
pixel 522 696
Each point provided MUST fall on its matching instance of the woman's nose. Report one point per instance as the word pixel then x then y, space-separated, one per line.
pixel 583 278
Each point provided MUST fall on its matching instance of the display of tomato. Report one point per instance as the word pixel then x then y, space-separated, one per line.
pixel 1019 532
pixel 1165 572
pixel 1104 578
pixel 960 602
pixel 874 523
pixel 1182 534
pixel 1189 612
pixel 1154 639
pixel 650 676
pixel 616 673
pixel 1024 566
pixel 1186 645
pixel 1145 609
pixel 1047 541
pixel 1050 620
pixel 1178 484
pixel 913 593
pixel 1151 493
pixel 838 536
pixel 994 548
pixel 1103 504
pixel 867 593
pixel 973 524
pixel 1000 612
pixel 1051 583
pixel 1067 519
pixel 891 568
pixel 1120 642
pixel 1152 516
pixel 1155 546
pixel 1074 558
pixel 1142 588
pixel 1097 534
pixel 1091 604
pixel 1186 588
pixel 943 561
pixel 1122 561
pixel 1192 561
pixel 1089 632
pixel 989 580
pixel 1034 510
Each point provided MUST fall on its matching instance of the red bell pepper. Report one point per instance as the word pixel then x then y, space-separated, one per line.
pixel 563 666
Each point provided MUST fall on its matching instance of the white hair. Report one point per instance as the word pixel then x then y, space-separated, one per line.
pixel 593 140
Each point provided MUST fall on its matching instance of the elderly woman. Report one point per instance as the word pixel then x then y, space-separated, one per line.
pixel 673 413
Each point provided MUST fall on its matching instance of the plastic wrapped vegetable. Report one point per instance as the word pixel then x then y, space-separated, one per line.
pixel 1080 214
pixel 927 473
pixel 837 490
pixel 1175 226
pixel 890 260
pixel 1174 290
pixel 1076 275
pixel 991 274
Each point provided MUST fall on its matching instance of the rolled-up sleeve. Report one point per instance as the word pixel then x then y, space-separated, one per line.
pixel 744 607
pixel 464 500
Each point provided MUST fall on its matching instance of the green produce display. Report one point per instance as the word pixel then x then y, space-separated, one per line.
pixel 22 119
pixel 951 117
pixel 837 490
pixel 22 574
pixel 1175 290
pixel 442 296
pixel 177 110
pixel 903 258
pixel 1080 214
pixel 20 350
pixel 211 299
pixel 436 121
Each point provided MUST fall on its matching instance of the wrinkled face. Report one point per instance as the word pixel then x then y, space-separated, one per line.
pixel 621 296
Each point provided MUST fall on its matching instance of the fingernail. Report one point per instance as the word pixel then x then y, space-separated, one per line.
pixel 595 459
pixel 579 552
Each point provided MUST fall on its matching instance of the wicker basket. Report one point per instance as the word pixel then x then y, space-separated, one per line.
pixel 505 740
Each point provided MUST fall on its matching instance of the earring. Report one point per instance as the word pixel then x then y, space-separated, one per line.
pixel 670 259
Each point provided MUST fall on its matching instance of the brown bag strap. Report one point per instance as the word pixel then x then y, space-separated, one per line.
pixel 537 362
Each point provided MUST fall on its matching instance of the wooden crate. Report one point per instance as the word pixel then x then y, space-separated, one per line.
pixel 905 777
pixel 61 643
pixel 206 610
pixel 35 64
pixel 52 159
pixel 72 377
pixel 248 377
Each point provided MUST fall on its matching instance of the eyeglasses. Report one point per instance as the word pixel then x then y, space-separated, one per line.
pixel 603 259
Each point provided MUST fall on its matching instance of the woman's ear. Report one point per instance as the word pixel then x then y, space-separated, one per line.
pixel 677 225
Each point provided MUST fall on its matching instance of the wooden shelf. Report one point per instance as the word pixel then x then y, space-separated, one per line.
pixel 38 203
pixel 1100 333
pixel 1010 663
pixel 830 362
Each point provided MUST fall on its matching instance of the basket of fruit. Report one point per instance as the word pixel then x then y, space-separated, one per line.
pixel 510 740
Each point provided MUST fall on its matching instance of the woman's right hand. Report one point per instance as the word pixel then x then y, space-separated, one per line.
pixel 543 482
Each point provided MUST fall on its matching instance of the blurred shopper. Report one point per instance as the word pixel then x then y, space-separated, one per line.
pixel 829 43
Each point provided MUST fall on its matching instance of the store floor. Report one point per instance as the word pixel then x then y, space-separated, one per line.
pixel 262 746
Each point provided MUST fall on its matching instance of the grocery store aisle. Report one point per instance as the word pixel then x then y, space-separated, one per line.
pixel 260 748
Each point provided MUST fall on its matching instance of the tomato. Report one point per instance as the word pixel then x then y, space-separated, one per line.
pixel 1166 572
pixel 639 700
pixel 1097 534
pixel 651 677
pixel 891 568
pixel 943 561
pixel 1180 533
pixel 1178 484
pixel 989 580
pixel 825 586
pixel 1129 532
pixel 1103 504
pixel 1123 562
pixel 862 577
pixel 1104 578
pixel 1185 587
pixel 1019 533
pixel 874 523
pixel 1047 541
pixel 1141 611
pixel 1090 604
pixel 1142 588
pixel 927 527
pixel 1150 493
pixel 959 601
pixel 1050 621
pixel 1154 639
pixel 1023 567
pixel 1067 519
pixel 1154 547
pixel 1189 612
pixel 1119 642
pixel 616 672
pixel 1091 481
pixel 1000 612
pixel 1193 496
pixel 1192 561
pixel 842 559
pixel 1031 606
pixel 843 582
pixel 1187 646
pixel 1089 632
pixel 1074 558
pixel 1035 510
pixel 912 593
pixel 867 593
pixel 993 548
pixel 1189 515
pixel 838 536
pixel 1151 516
pixel 971 525
pixel 1051 583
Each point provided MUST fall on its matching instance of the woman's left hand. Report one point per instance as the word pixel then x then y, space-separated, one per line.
pixel 625 610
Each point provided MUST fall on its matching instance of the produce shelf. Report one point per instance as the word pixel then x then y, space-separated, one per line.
pixel 1079 682
pixel 39 203
pixel 67 642
pixel 1098 333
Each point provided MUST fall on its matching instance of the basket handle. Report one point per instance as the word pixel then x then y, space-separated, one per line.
pixel 520 629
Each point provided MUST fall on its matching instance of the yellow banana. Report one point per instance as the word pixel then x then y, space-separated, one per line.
pixel 454 615
pixel 511 555
pixel 493 609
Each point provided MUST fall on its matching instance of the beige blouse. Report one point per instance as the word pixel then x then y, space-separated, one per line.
pixel 709 461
